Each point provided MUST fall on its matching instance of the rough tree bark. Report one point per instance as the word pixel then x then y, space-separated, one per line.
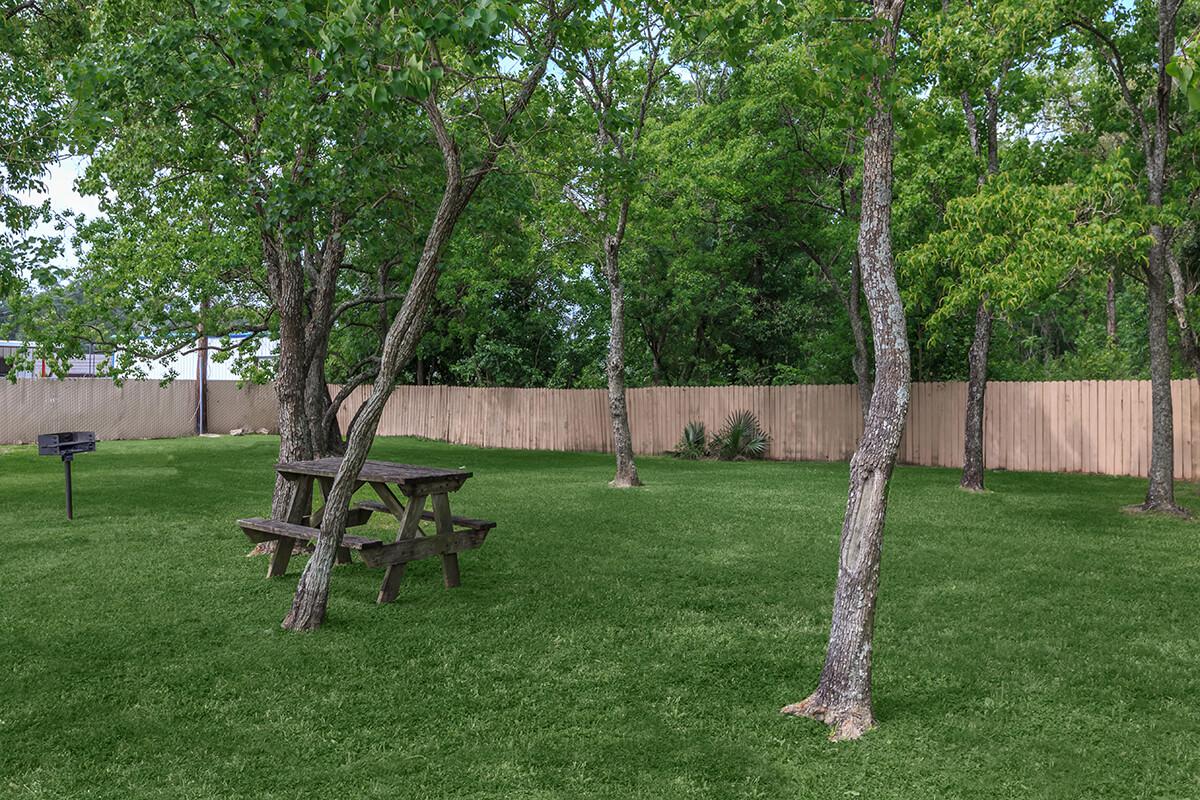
pixel 614 365
pixel 972 473
pixel 843 695
pixel 286 281
pixel 312 592
pixel 1160 491
pixel 305 319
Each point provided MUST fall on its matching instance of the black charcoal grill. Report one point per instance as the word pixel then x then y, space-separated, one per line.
pixel 67 445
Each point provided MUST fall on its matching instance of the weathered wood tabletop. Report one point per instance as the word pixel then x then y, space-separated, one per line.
pixel 375 471
pixel 416 484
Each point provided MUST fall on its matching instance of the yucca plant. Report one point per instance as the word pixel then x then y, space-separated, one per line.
pixel 693 443
pixel 741 439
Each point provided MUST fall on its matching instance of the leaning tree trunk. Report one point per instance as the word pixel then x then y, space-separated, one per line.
pixel 843 695
pixel 627 474
pixel 400 344
pixel 312 591
pixel 973 455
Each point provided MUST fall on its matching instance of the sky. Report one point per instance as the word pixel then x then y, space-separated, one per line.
pixel 60 189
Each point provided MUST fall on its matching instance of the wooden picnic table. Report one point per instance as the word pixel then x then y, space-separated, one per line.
pixel 415 484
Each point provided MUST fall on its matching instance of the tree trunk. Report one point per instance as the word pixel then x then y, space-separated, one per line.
pixel 981 342
pixel 1110 309
pixel 614 367
pixel 324 434
pixel 312 591
pixel 1188 345
pixel 1160 491
pixel 400 344
pixel 295 443
pixel 658 373
pixel 973 455
pixel 861 360
pixel 843 695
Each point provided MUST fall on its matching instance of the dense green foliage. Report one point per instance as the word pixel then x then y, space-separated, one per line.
pixel 602 645
pixel 731 131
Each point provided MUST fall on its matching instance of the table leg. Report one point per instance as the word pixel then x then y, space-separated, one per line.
pixel 391 583
pixel 441 518
pixel 315 518
pixel 301 503
pixel 280 557
pixel 408 529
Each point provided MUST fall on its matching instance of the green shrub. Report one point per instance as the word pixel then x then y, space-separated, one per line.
pixel 693 443
pixel 741 439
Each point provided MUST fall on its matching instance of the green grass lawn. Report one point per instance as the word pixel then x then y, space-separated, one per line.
pixel 1031 642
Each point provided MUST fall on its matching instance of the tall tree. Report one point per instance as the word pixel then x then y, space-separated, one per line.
pixel 983 50
pixel 842 698
pixel 614 60
pixel 258 125
pixel 1147 34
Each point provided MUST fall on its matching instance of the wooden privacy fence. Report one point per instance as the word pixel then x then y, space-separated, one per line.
pixel 136 410
pixel 1064 426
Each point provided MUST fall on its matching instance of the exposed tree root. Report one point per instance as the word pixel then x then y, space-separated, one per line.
pixel 625 483
pixel 1167 509
pixel 845 724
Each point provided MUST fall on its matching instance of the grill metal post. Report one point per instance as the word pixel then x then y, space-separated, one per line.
pixel 67 445
pixel 67 466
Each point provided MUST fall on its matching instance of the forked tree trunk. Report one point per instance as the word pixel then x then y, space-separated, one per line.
pixel 843 695
pixel 324 434
pixel 614 367
pixel 312 591
pixel 399 345
pixel 973 455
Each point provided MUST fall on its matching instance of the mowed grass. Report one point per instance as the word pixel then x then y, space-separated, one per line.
pixel 1033 642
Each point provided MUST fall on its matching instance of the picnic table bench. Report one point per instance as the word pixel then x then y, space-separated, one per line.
pixel 417 485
